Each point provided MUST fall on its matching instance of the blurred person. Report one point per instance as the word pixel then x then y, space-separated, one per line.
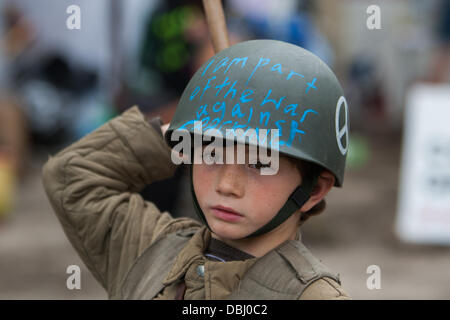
pixel 440 65
pixel 290 20
pixel 13 152
pixel 15 36
pixel 249 245
pixel 41 91
pixel 365 90
pixel 46 83
pixel 175 43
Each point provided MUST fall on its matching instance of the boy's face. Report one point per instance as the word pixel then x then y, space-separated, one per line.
pixel 241 188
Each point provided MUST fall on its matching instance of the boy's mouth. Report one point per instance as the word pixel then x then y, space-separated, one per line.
pixel 226 213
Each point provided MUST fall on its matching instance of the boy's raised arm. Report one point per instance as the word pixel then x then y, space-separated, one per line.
pixel 93 187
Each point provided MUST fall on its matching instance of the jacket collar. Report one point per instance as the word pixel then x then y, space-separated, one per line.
pixel 192 252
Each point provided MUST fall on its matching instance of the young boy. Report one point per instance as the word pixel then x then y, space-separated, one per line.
pixel 249 245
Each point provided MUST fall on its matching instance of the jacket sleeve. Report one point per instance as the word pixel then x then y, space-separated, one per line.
pixel 93 188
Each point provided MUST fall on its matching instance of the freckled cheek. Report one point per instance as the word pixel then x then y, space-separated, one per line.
pixel 264 200
pixel 203 181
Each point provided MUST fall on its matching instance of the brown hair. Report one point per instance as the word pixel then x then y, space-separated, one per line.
pixel 303 167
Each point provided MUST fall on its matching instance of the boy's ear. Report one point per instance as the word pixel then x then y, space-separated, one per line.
pixel 325 182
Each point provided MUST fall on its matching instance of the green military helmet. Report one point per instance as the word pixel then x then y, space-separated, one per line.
pixel 270 84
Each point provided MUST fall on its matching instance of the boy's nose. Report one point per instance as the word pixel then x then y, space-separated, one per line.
pixel 231 180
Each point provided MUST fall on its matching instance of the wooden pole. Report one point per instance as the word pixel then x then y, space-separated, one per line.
pixel 216 23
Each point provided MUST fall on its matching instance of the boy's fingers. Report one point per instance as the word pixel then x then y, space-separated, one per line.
pixel 164 128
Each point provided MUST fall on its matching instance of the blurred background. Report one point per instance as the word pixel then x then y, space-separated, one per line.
pixel 59 82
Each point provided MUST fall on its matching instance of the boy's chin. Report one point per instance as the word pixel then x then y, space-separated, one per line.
pixel 229 232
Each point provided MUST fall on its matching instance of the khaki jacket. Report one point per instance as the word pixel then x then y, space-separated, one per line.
pixel 93 186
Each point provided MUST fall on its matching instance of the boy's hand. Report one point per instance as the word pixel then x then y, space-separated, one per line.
pixel 164 128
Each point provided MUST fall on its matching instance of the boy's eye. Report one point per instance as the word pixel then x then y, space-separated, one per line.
pixel 212 157
pixel 259 165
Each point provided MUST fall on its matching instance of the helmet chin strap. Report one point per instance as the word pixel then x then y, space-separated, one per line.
pixel 295 201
